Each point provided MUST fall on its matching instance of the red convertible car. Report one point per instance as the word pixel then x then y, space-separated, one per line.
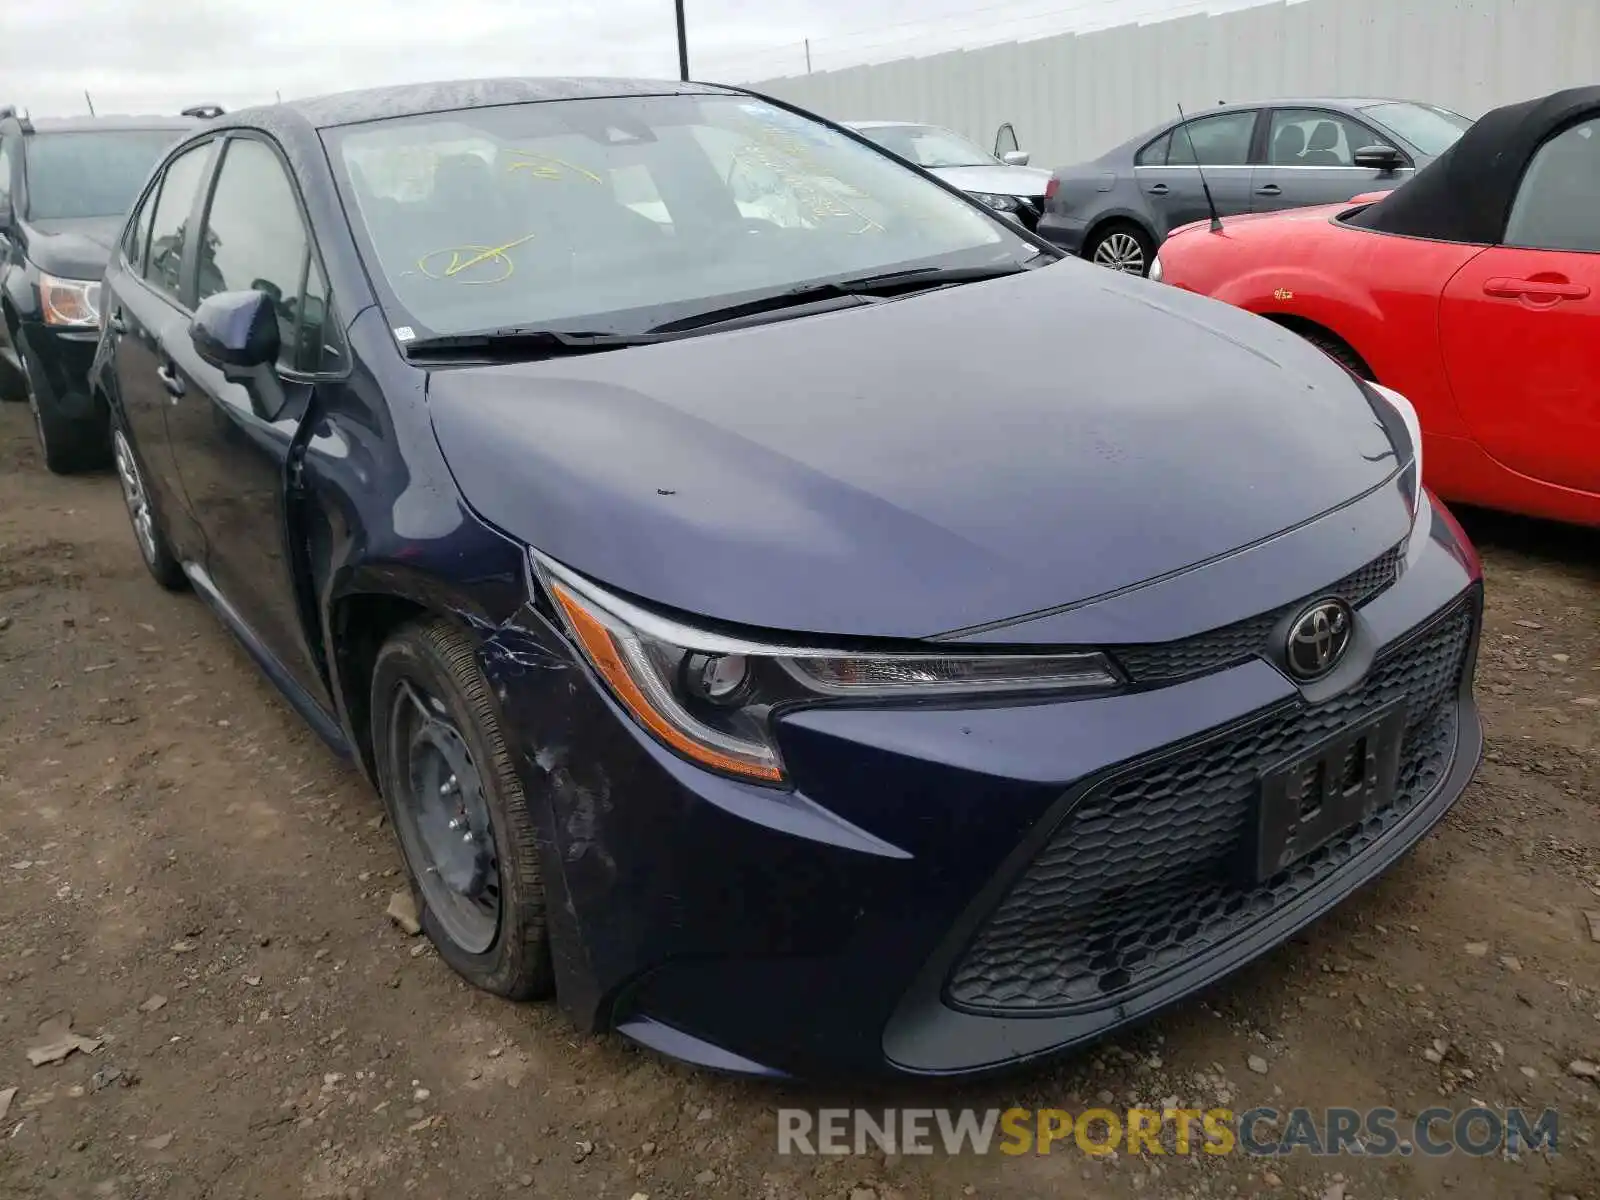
pixel 1474 290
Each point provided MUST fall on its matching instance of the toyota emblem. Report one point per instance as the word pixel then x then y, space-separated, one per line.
pixel 1318 638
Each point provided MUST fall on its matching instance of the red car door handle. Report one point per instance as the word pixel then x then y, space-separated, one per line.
pixel 1536 289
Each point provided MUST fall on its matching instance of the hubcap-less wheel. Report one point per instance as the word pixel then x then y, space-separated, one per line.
pixel 443 819
pixel 133 494
pixel 1121 252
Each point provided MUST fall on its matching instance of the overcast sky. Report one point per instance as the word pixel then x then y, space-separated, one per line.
pixel 162 55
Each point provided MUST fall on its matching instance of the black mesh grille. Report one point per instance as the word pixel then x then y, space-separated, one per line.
pixel 1145 873
pixel 1164 662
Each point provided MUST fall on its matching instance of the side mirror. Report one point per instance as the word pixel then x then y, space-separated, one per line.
pixel 1379 158
pixel 236 332
pixel 1015 158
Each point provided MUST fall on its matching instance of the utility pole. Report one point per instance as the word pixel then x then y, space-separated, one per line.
pixel 683 46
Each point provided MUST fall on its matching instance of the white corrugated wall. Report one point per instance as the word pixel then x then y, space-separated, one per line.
pixel 1073 96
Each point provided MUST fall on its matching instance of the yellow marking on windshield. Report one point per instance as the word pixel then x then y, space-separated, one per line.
pixel 477 256
pixel 546 166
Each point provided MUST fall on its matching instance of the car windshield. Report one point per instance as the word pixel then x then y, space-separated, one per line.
pixel 929 146
pixel 93 173
pixel 1430 129
pixel 621 213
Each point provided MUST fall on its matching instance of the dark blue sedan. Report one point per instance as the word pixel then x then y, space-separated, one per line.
pixel 779 624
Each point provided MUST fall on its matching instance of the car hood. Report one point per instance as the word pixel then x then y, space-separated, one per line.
pixel 921 465
pixel 74 248
pixel 998 179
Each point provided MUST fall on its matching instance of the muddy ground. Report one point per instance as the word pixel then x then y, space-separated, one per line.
pixel 200 885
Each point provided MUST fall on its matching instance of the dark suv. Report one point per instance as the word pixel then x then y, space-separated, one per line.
pixel 65 188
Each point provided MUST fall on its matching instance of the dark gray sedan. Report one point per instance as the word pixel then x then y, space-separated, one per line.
pixel 1256 158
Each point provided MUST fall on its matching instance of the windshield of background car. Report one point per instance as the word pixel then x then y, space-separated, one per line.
pixel 1430 129
pixel 929 147
pixel 622 213
pixel 94 173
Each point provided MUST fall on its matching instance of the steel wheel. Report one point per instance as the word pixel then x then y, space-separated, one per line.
pixel 134 495
pixel 442 817
pixel 1121 251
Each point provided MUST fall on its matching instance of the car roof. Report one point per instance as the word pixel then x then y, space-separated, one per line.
pixel 88 124
pixel 415 99
pixel 891 124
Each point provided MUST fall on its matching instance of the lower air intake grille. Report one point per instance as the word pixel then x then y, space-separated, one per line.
pixel 1144 874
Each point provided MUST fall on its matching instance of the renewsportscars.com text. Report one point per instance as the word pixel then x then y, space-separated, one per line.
pixel 1262 1132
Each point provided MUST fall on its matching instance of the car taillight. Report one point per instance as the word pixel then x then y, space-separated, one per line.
pixel 1051 187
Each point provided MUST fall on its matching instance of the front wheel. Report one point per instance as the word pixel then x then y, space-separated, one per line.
pixel 456 803
pixel 1122 246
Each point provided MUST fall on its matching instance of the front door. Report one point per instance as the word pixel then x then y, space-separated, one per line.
pixel 1518 322
pixel 1310 159
pixel 232 439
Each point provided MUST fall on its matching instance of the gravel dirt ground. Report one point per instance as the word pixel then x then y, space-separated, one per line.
pixel 193 880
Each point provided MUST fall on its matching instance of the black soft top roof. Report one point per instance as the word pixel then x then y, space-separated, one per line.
pixel 1465 195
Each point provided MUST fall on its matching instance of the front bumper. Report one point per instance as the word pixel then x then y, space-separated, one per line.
pixel 956 890
pixel 61 358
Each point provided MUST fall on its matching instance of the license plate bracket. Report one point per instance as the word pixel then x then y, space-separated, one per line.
pixel 1306 801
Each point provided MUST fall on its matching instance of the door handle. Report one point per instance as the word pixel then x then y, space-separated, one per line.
pixel 1159 189
pixel 118 325
pixel 1550 290
pixel 169 380
pixel 1269 189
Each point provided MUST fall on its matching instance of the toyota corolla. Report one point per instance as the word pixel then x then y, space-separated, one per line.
pixel 797 642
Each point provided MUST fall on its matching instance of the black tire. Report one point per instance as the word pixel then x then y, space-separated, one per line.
pixel 1339 350
pixel 148 534
pixel 70 444
pixel 1117 242
pixel 427 673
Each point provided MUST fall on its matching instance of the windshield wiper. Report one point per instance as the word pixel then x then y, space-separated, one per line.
pixel 527 342
pixel 864 287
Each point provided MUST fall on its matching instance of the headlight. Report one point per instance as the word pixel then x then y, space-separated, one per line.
pixel 996 201
pixel 1155 268
pixel 711 697
pixel 72 302
pixel 1405 431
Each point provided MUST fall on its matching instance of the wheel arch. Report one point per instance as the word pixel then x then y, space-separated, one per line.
pixel 1120 216
pixel 1313 331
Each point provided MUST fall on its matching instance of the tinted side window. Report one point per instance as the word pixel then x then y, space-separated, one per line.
pixel 1220 141
pixel 169 225
pixel 1155 154
pixel 137 237
pixel 1555 207
pixel 1311 137
pixel 5 168
pixel 255 239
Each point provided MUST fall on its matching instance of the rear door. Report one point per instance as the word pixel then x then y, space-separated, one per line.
pixel 146 310
pixel 1174 170
pixel 1518 323
pixel 1309 158
pixel 232 440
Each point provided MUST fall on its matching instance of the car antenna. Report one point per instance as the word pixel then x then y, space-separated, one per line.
pixel 1216 221
pixel 89 101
